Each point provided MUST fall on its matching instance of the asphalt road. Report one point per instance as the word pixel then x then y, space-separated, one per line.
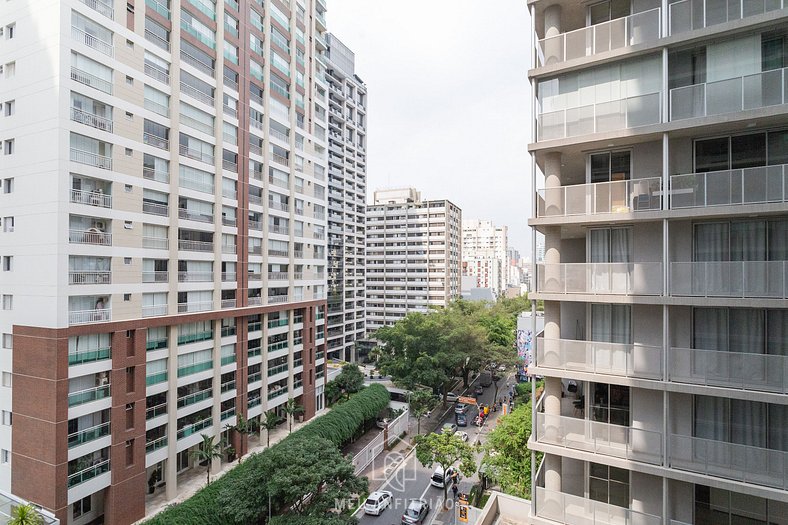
pixel 410 480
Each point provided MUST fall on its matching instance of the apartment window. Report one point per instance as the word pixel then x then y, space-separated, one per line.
pixel 608 10
pixel 130 379
pixel 5 456
pixel 8 185
pixel 750 423
pixel 81 507
pixel 608 485
pixel 749 240
pixel 129 452
pixel 8 341
pixel 6 418
pixel 8 302
pixel 10 70
pixel 721 507
pixel 10 31
pixel 9 108
pixel 7 379
pixel 745 330
pixel 8 263
pixel 8 147
pixel 8 224
pixel 610 166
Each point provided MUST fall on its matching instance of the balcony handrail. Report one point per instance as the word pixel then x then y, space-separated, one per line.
pixel 89 277
pixel 76 438
pixel 742 370
pixel 197 94
pixel 92 41
pixel 197 63
pixel 733 461
pixel 186 151
pixel 195 306
pixel 277 299
pixel 100 7
pixel 152 37
pixel 158 7
pixel 185 213
pixel 155 208
pixel 195 246
pixel 91 198
pixel 228 303
pixel 600 37
pixel 156 444
pixel 156 107
pixel 683 11
pixel 87 395
pixel 753 92
pixel 83 77
pixel 90 472
pixel 621 196
pixel 739 279
pixel 89 316
pixel 154 174
pixel 632 278
pixel 157 73
pixel 619 359
pixel 155 277
pixel 756 185
pixel 155 141
pixel 568 508
pixel 188 430
pixel 194 397
pixel 91 119
pixel 157 243
pixel 277 276
pixel 91 159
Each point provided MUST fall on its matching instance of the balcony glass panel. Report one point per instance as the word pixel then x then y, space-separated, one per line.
pixel 756 279
pixel 628 360
pixel 746 371
pixel 600 278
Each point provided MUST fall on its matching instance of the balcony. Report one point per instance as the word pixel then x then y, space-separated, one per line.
pixel 764 185
pixel 600 278
pixel 228 303
pixel 90 236
pixel 156 411
pixel 755 91
pixel 570 509
pixel 756 465
pixel 156 243
pixel 625 196
pixel 195 277
pixel 159 8
pixel 607 36
pixel 87 435
pixel 688 15
pixel 79 277
pixel 154 174
pixel 196 154
pixel 197 306
pixel 254 301
pixel 194 428
pixel 631 112
pixel 634 444
pixel 740 279
pixel 195 246
pixel 277 276
pixel 227 414
pixel 100 7
pixel 91 41
pixel 276 393
pixel 91 198
pixel 88 395
pixel 155 39
pixel 91 119
pixel 594 357
pixel 88 356
pixel 152 310
pixel 197 63
pixel 255 401
pixel 155 277
pixel 197 94
pixel 157 73
pixel 83 77
pixel 155 378
pixel 91 159
pixel 229 277
pixel 745 371
pixel 156 444
pixel 195 397
pixel 156 141
pixel 89 316
pixel 277 299
pixel 88 473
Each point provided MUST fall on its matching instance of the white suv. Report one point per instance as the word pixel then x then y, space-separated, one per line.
pixel 377 502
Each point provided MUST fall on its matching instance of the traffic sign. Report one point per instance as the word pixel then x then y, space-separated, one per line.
pixel 467 400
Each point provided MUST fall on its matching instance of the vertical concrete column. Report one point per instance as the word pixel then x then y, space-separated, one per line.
pixel 553 47
pixel 550 355
pixel 171 466
pixel 551 280
pixel 554 202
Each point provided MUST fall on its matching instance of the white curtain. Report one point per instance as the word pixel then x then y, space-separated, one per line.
pixel 711 245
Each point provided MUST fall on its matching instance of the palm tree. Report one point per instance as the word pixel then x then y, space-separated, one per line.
pixel 207 451
pixel 292 410
pixel 244 427
pixel 270 422
pixel 25 515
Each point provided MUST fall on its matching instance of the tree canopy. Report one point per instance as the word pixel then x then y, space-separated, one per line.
pixel 445 449
pixel 350 379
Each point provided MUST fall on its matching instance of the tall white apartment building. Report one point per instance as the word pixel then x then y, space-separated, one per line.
pixel 413 255
pixel 660 154
pixel 484 254
pixel 347 198
pixel 164 238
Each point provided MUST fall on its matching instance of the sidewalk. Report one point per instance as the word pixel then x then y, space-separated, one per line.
pixel 193 479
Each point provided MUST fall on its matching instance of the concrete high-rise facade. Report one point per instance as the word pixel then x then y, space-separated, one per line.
pixel 484 254
pixel 164 247
pixel 413 255
pixel 347 198
pixel 661 149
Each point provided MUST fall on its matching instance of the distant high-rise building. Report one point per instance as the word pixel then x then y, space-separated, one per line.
pixel 413 255
pixel 164 239
pixel 347 197
pixel 661 135
pixel 484 254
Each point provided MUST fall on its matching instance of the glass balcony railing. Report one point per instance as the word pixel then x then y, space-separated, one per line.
pixel 195 368
pixel 156 444
pixel 156 344
pixel 759 90
pixel 742 370
pixel 255 326
pixel 227 414
pixel 697 14
pixel 607 36
pixel 567 508
pixel 196 306
pixel 160 8
pixel 626 360
pixel 87 435
pixel 631 112
pixel 732 461
pixel 276 393
pixel 88 473
pixel 88 356
pixel 275 323
pixel 156 378
pixel 88 395
pixel 277 370
pixel 228 386
pixel 227 359
pixel 254 352
pixel 273 347
pixel 635 444
pixel 600 278
pixel 185 339
pixel 623 196
pixel 194 428
pixel 758 185
pixel 255 401
pixel 253 378
pixel 100 7
pixel 741 279
pixel 158 410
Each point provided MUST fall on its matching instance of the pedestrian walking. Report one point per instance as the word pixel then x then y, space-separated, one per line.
pixel 454 491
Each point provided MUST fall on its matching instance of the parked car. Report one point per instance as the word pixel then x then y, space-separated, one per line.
pixel 479 390
pixel 440 478
pixel 449 428
pixel 416 513
pixel 382 423
pixel 462 420
pixel 460 408
pixel 463 435
pixel 451 397
pixel 377 502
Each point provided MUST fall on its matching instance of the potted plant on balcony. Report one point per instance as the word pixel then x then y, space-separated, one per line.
pixel 154 478
pixel 25 515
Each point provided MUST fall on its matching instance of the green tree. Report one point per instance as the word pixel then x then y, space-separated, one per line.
pixel 350 380
pixel 269 423
pixel 333 392
pixel 292 409
pixel 25 515
pixel 445 449
pixel 243 427
pixel 208 450
pixel 507 459
pixel 420 402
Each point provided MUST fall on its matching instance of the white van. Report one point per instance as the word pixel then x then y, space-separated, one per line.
pixel 440 478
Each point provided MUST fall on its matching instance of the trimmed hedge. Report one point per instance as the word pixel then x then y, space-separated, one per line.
pixel 337 426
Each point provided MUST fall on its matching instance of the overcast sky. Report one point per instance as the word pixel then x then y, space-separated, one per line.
pixel 448 101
